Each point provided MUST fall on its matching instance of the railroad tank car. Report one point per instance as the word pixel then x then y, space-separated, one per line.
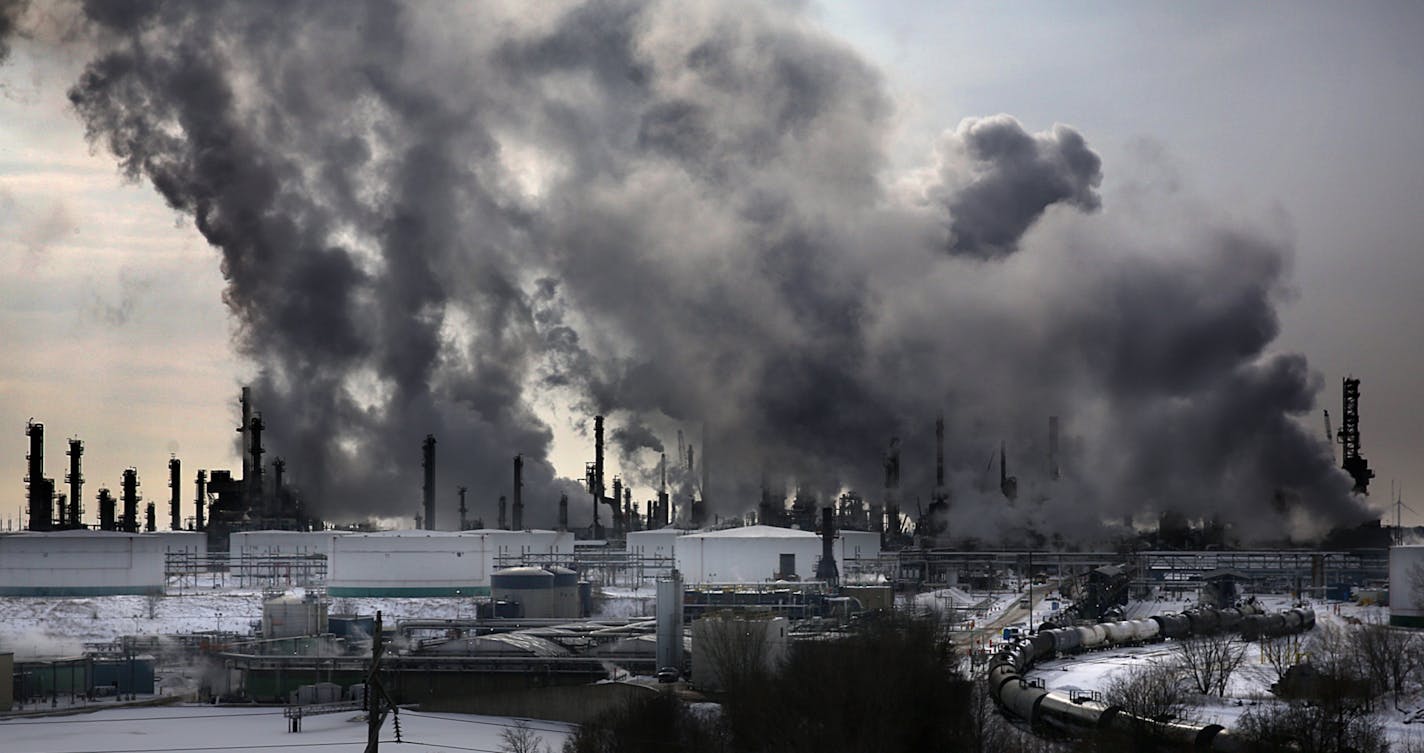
pixel 1060 712
pixel 1092 636
pixel 1022 699
pixel 1147 630
pixel 1119 632
pixel 1066 640
pixel 1229 617
pixel 1204 621
pixel 1174 625
pixel 1043 644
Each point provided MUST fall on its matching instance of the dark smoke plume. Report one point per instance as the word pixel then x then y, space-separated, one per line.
pixel 431 217
pixel 10 12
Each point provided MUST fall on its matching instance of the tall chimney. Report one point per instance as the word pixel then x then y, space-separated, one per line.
pixel 428 463
pixel 106 510
pixel 629 519
pixel 662 516
pixel 1009 485
pixel 598 486
pixel 706 476
pixel 518 492
pixel 1053 471
pixel 464 521
pixel 76 483
pixel 826 569
pixel 257 499
pixel 200 500
pixel 131 499
pixel 150 518
pixel 503 526
pixel 939 455
pixel 175 483
pixel 41 489
pixel 892 488
pixel 246 402
pixel 617 506
pixel 279 484
pixel 563 511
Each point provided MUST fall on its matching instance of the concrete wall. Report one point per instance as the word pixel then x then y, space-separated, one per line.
pixel 82 563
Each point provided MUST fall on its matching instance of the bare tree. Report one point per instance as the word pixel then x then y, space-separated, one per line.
pixel 1282 652
pixel 521 739
pixel 735 650
pixel 1209 661
pixel 1153 693
pixel 1387 654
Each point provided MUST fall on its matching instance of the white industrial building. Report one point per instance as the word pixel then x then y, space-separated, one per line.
pixel 1406 583
pixel 750 554
pixel 87 563
pixel 433 563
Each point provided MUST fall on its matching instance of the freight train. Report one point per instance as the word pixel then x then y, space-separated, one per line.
pixel 1056 712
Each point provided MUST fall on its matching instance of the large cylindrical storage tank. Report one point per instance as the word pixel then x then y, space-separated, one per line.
pixel 81 563
pixel 1406 578
pixel 566 592
pixel 531 587
pixel 408 563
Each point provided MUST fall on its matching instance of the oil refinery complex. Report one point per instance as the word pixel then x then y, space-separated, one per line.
pixel 520 621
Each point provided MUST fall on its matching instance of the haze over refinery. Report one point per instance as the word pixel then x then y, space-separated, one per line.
pixel 784 234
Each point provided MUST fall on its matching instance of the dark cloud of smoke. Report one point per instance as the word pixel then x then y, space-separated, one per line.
pixel 430 216
pixel 999 179
pixel 10 12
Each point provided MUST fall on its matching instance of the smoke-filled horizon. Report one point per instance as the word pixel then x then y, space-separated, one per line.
pixel 434 218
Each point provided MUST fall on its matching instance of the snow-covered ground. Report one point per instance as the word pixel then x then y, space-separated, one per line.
pixel 38 627
pixel 1249 687
pixel 208 728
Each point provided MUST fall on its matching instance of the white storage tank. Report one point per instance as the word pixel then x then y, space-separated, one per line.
pixel 1406 585
pixel 409 563
pixel 751 554
pixel 293 617
pixel 535 547
pixel 659 542
pixel 280 543
pixel 81 563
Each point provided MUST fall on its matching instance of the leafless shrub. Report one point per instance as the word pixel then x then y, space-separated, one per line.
pixel 521 739
pixel 1209 661
pixel 1282 652
pixel 1388 655
pixel 1154 694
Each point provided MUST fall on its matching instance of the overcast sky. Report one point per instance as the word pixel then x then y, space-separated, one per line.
pixel 1304 119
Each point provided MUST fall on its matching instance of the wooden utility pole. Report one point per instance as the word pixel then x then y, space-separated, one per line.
pixel 377 702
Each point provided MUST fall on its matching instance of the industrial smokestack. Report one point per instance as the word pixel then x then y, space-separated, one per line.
pixel 279 485
pixel 826 569
pixel 1009 485
pixel 150 518
pixel 892 489
pixel 597 473
pixel 106 510
pixel 41 489
pixel 563 511
pixel 253 485
pixel 175 484
pixel 1053 472
pixel 464 521
pixel 519 492
pixel 616 507
pixel 76 483
pixel 245 400
pixel 939 456
pixel 706 475
pixel 1352 461
pixel 503 526
pixel 629 519
pixel 200 500
pixel 662 516
pixel 131 499
pixel 428 463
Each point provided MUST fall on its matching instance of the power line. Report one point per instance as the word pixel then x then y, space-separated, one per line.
pixel 51 720
pixel 488 723
pixel 216 747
